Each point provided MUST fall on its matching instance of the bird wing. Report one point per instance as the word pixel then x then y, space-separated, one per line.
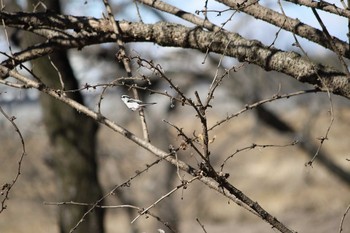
pixel 134 101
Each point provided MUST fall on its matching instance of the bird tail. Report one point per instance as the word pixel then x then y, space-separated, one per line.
pixel 145 104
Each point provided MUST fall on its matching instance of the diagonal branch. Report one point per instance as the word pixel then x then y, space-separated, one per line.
pixel 289 24
pixel 331 42
pixel 323 5
pixel 212 180
pixel 162 6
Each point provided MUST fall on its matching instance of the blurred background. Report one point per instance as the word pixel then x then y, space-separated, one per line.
pixel 305 198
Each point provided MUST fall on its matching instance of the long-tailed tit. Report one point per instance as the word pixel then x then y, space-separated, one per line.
pixel 134 104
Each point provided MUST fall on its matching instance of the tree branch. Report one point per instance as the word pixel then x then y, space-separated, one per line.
pixel 162 6
pixel 323 5
pixel 169 34
pixel 211 179
pixel 287 23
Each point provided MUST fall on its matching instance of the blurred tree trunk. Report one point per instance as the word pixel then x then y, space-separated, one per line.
pixel 72 137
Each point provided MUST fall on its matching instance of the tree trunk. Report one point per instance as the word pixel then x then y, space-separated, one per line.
pixel 73 140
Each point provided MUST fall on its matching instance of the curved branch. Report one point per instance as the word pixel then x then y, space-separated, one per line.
pixel 169 34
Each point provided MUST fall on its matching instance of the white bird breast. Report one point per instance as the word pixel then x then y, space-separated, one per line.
pixel 134 104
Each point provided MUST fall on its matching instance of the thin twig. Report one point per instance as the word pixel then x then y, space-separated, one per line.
pixel 5 189
pixel 183 184
pixel 331 42
pixel 343 218
pixel 113 207
pixel 256 104
pixel 325 137
pixel 59 75
pixel 200 224
pixel 217 80
pixel 188 140
pixel 252 147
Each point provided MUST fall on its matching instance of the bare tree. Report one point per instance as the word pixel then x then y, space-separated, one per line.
pixel 167 140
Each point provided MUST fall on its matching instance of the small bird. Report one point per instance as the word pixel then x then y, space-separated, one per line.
pixel 134 104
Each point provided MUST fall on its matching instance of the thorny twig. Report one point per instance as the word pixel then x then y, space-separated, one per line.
pixel 325 137
pixel 252 147
pixel 331 42
pixel 187 140
pixel 343 218
pixel 254 105
pixel 182 185
pixel 5 189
